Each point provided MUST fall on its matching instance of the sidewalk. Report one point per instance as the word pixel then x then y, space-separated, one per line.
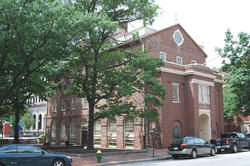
pixel 111 159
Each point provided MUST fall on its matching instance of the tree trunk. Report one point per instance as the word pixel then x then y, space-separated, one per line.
pixel 17 118
pixel 91 127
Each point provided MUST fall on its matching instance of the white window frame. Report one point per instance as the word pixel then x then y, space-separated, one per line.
pixel 165 56
pixel 85 103
pixel 177 60
pixel 63 105
pixel 177 93
pixel 73 103
pixel 54 105
pixel 203 94
pixel 193 62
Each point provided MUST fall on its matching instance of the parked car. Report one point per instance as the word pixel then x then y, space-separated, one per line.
pixel 28 155
pixel 248 135
pixel 232 142
pixel 190 146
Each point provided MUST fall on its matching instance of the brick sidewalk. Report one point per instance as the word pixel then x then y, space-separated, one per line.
pixel 110 159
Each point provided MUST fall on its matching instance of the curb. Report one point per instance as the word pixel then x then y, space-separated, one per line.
pixel 133 161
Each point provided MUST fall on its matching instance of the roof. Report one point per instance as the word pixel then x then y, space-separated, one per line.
pixel 150 32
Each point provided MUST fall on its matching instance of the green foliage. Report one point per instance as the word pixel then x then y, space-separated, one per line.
pixel 41 136
pixel 28 120
pixel 236 54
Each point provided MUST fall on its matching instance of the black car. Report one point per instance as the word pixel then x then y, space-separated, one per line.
pixel 28 155
pixel 190 146
pixel 232 142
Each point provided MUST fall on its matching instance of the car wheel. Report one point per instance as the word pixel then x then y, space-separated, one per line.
pixel 235 148
pixel 249 146
pixel 218 151
pixel 193 154
pixel 212 152
pixel 58 162
pixel 175 156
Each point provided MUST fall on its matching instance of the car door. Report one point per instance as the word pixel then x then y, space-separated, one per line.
pixel 198 145
pixel 31 156
pixel 205 146
pixel 243 140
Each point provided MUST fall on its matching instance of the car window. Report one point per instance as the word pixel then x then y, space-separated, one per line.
pixel 241 135
pixel 189 140
pixel 8 149
pixel 233 135
pixel 178 141
pixel 197 141
pixel 202 141
pixel 27 149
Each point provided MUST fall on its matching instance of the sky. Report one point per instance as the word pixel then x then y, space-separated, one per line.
pixel 206 21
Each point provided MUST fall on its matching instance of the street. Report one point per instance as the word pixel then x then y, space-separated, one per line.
pixel 227 159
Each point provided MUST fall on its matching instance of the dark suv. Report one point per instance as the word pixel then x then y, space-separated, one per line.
pixel 190 146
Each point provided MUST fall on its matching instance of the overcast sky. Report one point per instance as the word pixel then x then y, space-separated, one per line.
pixel 206 21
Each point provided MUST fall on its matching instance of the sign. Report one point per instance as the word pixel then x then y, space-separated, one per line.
pixel 153 124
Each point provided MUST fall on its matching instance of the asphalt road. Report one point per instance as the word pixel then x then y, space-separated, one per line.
pixel 226 159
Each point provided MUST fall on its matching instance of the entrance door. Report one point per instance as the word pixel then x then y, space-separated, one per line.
pixel 84 138
pixel 205 127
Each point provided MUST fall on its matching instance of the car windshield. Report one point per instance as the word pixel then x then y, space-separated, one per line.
pixel 177 141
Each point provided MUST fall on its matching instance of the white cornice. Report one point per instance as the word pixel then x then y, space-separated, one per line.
pixel 172 71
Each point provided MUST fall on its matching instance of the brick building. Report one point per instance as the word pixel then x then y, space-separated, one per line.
pixel 193 104
pixel 238 124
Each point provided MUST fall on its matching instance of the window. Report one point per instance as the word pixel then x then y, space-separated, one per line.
pixel 64 104
pixel 62 131
pixel 163 56
pixel 54 105
pixel 73 103
pixel 178 38
pixel 40 122
pixel 193 62
pixel 179 60
pixel 112 133
pixel 175 93
pixel 72 130
pixel 129 128
pixel 97 131
pixel 84 103
pixel 53 131
pixel 204 97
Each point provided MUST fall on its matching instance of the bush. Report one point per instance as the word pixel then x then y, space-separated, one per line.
pixel 42 136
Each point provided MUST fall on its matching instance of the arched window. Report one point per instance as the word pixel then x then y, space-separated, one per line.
pixel 39 122
pixel 112 133
pixel 176 132
pixel 62 131
pixel 129 133
pixel 72 130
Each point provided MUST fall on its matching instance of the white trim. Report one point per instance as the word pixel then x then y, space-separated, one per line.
pixel 161 52
pixel 202 82
pixel 204 111
pixel 219 81
pixel 162 69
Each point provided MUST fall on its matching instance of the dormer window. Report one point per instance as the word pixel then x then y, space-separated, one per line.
pixel 163 56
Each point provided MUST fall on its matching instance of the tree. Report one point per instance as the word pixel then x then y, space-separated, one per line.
pixel 236 54
pixel 107 75
pixel 33 34
pixel 28 120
